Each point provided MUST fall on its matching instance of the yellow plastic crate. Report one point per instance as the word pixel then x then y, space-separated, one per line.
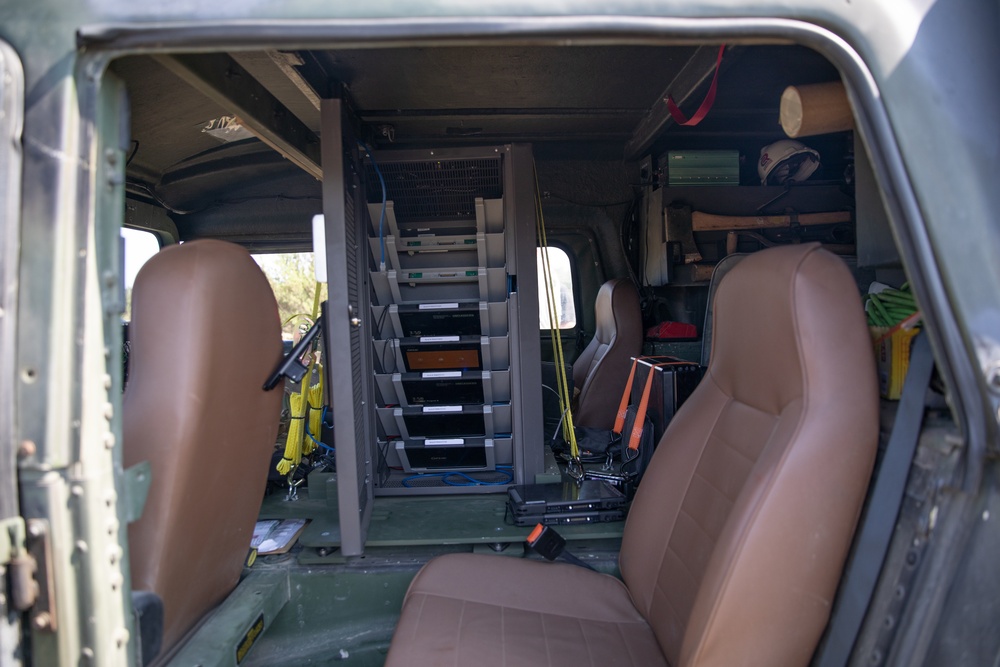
pixel 892 358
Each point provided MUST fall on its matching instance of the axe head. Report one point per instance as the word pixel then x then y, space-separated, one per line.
pixel 677 229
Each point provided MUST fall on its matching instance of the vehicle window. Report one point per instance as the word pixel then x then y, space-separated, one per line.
pixel 139 245
pixel 562 289
pixel 293 280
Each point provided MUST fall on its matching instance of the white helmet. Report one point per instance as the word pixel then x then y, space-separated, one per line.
pixel 786 160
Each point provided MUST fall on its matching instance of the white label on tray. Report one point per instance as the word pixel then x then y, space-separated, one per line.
pixel 437 306
pixel 439 339
pixel 442 408
pixel 444 442
pixel 427 375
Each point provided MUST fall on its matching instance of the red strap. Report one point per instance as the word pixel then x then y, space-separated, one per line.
pixel 623 405
pixel 706 104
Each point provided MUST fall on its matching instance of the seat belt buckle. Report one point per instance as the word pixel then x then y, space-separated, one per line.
pixel 546 542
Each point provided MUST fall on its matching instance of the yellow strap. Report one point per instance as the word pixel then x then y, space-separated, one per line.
pixel 297 407
pixel 296 429
pixel 315 413
pixel 295 317
pixel 565 400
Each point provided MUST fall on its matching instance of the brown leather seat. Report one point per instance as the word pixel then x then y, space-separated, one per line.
pixel 601 370
pixel 736 539
pixel 205 335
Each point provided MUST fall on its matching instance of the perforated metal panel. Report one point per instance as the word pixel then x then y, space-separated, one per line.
pixel 431 189
pixel 359 365
pixel 346 333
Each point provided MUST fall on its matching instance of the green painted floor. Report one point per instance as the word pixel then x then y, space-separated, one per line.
pixel 422 520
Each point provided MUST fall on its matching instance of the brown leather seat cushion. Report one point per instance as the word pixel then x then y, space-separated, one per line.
pixel 465 609
pixel 735 541
pixel 205 335
pixel 601 370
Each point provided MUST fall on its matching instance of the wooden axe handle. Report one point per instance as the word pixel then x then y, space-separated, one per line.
pixel 709 222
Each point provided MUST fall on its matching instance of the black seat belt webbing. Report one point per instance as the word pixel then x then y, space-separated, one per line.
pixel 875 533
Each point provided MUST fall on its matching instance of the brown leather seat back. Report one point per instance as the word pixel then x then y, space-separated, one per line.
pixel 205 335
pixel 736 539
pixel 601 371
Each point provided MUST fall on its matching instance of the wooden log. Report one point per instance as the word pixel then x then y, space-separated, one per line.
pixel 709 222
pixel 815 109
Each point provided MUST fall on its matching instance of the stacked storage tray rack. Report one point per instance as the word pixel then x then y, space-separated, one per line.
pixel 440 305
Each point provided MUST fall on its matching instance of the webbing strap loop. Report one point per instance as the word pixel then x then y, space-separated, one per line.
pixel 640 414
pixel 706 104
pixel 565 399
pixel 623 405
pixel 295 445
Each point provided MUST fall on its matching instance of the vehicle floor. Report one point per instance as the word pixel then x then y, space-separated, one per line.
pixel 342 610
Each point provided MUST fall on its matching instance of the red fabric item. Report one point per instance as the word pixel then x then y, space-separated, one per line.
pixel 706 104
pixel 671 330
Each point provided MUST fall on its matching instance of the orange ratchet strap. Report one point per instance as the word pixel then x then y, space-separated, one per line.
pixel 640 416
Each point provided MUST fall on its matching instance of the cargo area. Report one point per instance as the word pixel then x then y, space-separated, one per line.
pixel 433 168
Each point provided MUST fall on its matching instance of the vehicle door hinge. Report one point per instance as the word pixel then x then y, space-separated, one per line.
pixel 137 479
pixel 11 538
pixel 20 564
pixel 40 589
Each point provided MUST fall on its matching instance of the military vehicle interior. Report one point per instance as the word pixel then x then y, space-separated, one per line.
pixel 236 146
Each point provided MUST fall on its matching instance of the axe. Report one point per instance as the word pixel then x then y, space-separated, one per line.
pixel 678 229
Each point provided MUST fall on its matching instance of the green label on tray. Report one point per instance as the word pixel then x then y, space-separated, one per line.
pixel 416 275
pixel 472 273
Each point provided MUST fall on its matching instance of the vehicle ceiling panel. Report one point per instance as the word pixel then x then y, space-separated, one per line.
pixel 167 117
pixel 506 77
pixel 568 101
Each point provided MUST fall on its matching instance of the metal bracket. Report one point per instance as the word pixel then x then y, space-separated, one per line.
pixel 21 567
pixel 793 222
pixel 137 480
pixel 11 538
pixel 43 613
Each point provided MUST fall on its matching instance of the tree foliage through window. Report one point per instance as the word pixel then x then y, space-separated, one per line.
pixel 294 282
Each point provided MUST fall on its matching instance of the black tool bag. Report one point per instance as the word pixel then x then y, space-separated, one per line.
pixel 635 461
pixel 631 445
pixel 625 476
pixel 595 444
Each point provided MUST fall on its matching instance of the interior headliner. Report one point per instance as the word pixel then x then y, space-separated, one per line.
pixel 571 102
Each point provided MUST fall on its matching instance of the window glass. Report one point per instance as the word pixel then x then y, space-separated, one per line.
pixel 562 289
pixel 293 280
pixel 139 247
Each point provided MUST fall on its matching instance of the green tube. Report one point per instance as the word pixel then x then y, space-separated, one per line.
pixel 883 314
pixel 902 299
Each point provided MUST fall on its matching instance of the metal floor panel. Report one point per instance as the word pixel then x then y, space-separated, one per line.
pixel 424 520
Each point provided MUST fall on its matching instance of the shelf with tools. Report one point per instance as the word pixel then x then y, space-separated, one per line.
pixel 449 262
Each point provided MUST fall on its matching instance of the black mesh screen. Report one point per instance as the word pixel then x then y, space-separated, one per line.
pixel 436 189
